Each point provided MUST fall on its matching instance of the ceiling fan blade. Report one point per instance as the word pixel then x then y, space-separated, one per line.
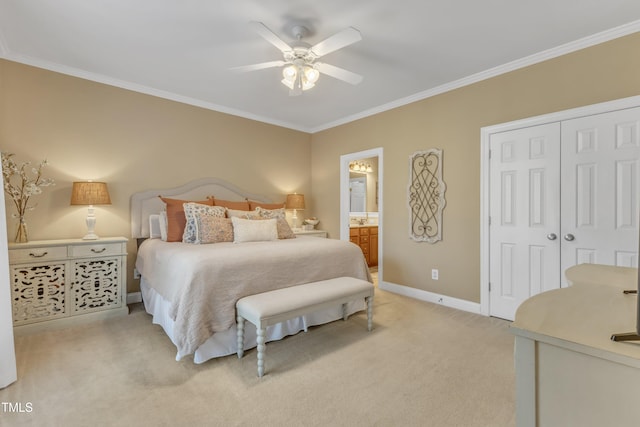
pixel 337 41
pixel 339 73
pixel 269 36
pixel 260 66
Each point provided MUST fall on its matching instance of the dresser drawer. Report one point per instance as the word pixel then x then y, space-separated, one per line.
pixel 18 256
pixel 94 250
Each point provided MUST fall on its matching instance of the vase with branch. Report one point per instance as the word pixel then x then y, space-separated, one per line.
pixel 20 184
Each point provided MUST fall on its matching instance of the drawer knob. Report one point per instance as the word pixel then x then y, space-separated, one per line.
pixel 98 251
pixel 31 254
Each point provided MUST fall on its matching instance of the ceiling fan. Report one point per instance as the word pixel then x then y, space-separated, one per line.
pixel 301 71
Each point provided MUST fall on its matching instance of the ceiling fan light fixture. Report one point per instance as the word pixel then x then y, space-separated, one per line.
pixel 301 71
pixel 288 83
pixel 299 77
pixel 311 74
pixel 290 72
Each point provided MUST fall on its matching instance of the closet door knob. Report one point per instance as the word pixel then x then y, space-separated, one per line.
pixel 552 236
pixel 569 237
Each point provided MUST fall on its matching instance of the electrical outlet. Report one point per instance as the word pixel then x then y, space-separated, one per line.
pixel 434 274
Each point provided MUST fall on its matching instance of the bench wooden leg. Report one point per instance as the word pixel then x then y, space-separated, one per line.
pixel 261 349
pixel 369 313
pixel 345 316
pixel 240 332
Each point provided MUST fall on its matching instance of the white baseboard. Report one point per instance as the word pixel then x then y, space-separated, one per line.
pixel 447 301
pixel 134 297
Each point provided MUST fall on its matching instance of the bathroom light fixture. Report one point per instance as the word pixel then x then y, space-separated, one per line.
pixel 90 193
pixel 360 167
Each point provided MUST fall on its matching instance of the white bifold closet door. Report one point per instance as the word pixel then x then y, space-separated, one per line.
pixel 600 189
pixel 525 216
pixel 561 194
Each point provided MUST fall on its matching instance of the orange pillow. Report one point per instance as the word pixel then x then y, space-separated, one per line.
pixel 240 206
pixel 176 220
pixel 253 205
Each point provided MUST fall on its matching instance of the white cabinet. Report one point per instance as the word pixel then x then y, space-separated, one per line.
pixel 568 370
pixel 57 282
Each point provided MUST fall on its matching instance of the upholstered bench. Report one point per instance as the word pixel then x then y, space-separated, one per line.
pixel 276 306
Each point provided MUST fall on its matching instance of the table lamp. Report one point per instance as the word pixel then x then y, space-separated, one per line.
pixel 296 202
pixel 90 193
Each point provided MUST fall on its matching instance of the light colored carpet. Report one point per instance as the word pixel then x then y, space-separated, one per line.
pixel 423 364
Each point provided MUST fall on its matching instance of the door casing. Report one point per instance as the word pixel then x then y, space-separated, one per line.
pixel 345 199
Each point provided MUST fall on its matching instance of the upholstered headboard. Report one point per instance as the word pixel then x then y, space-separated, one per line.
pixel 147 202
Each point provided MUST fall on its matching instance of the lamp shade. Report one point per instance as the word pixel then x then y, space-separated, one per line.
pixel 90 193
pixel 295 201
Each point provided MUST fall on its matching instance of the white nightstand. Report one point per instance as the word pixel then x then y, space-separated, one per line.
pixel 311 233
pixel 59 282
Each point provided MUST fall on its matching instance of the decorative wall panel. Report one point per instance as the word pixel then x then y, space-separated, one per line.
pixel 426 196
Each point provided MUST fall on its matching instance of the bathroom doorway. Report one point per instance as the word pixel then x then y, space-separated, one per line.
pixel 361 204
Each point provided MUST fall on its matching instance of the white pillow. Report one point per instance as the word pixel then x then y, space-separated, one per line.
pixel 248 230
pixel 163 226
pixel 154 226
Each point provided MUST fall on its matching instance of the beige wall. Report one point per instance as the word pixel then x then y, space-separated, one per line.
pixel 452 122
pixel 134 142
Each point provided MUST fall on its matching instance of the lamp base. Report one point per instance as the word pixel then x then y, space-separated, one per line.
pixel 91 225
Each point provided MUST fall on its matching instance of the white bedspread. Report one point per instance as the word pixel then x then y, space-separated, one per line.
pixel 203 282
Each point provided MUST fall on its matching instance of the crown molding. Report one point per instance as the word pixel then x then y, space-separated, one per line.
pixel 147 90
pixel 545 55
pixel 585 42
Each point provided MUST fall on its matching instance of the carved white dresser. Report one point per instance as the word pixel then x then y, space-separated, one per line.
pixel 59 282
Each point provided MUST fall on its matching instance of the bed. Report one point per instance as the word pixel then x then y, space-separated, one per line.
pixel 190 290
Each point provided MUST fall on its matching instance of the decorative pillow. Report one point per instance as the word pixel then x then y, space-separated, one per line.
pixel 176 220
pixel 253 205
pixel 241 206
pixel 211 229
pixel 192 211
pixel 242 214
pixel 284 230
pixel 247 230
pixel 271 213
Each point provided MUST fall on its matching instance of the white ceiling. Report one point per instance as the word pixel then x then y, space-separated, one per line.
pixel 411 49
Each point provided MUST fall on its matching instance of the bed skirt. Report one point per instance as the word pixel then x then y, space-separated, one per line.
pixel 225 343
